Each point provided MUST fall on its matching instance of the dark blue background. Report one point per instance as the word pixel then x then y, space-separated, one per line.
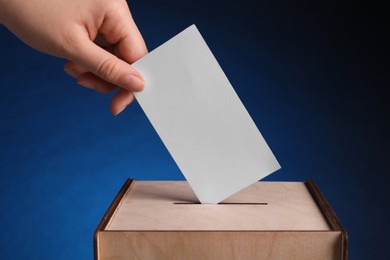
pixel 312 77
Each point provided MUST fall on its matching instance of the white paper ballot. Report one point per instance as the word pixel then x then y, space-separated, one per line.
pixel 201 120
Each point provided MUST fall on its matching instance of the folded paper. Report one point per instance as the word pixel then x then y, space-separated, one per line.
pixel 201 120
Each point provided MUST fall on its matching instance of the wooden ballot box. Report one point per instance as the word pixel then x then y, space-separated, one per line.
pixel 267 220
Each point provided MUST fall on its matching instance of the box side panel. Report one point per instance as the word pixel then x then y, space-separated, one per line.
pixel 220 245
pixel 108 215
pixel 329 214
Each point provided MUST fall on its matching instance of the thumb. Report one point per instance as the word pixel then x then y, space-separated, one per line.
pixel 108 67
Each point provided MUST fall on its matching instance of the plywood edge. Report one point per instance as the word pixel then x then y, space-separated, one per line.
pixel 107 216
pixel 329 214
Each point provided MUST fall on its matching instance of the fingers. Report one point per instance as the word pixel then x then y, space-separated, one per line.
pixel 120 101
pixel 120 29
pixel 87 79
pixel 109 67
pixel 74 70
pixel 131 48
pixel 90 81
pixel 102 63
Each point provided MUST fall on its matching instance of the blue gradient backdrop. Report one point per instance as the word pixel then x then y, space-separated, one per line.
pixel 311 76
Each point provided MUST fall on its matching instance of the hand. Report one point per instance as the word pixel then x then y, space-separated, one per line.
pixel 98 37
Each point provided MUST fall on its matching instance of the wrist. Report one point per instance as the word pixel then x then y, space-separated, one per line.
pixel 3 11
pixel 8 10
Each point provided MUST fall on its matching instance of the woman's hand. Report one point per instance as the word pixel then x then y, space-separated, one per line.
pixel 98 37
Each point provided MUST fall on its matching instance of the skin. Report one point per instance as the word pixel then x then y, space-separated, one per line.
pixel 99 38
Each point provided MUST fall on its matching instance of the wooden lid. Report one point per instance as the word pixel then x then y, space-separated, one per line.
pixel 172 205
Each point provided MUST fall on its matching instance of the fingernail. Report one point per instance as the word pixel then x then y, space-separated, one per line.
pixel 134 83
pixel 70 72
pixel 120 110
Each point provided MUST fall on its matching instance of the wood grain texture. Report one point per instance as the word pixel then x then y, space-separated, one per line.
pixel 289 207
pixel 220 245
pixel 268 220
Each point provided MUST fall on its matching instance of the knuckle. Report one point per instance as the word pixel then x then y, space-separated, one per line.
pixel 108 69
pixel 115 8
